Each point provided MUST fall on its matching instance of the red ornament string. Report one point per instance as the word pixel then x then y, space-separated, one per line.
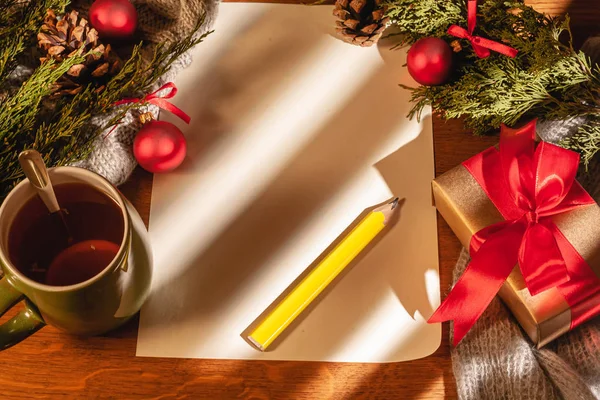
pixel 159 101
pixel 481 46
pixel 528 186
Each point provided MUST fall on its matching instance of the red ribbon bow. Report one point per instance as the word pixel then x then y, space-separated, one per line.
pixel 481 46
pixel 160 101
pixel 528 186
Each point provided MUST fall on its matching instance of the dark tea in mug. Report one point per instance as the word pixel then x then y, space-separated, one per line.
pixel 70 246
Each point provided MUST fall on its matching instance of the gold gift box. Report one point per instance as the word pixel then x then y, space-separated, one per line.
pixel 467 209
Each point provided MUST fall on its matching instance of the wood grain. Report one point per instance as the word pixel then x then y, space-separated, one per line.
pixel 55 365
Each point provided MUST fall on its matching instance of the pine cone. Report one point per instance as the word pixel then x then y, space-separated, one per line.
pixel 360 22
pixel 72 36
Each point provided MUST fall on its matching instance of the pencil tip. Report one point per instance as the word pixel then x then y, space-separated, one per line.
pixel 394 202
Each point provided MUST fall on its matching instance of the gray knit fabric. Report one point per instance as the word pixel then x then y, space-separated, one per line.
pixel 496 360
pixel 159 21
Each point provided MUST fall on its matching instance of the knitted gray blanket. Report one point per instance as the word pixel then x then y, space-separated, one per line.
pixel 496 360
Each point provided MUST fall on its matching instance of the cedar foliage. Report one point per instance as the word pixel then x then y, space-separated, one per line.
pixel 548 79
pixel 61 129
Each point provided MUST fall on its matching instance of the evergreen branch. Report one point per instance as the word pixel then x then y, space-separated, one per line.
pixel 19 113
pixel 19 24
pixel 420 18
pixel 548 79
pixel 165 56
pixel 8 10
pixel 586 141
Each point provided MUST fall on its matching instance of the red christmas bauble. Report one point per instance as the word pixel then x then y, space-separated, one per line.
pixel 429 61
pixel 113 18
pixel 159 147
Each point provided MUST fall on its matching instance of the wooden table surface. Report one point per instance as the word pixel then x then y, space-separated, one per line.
pixel 55 365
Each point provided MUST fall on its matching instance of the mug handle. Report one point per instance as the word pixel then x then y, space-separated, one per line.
pixel 22 325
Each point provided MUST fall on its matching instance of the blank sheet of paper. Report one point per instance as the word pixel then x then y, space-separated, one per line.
pixel 294 134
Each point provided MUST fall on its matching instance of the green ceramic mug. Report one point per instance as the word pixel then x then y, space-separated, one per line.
pixel 92 307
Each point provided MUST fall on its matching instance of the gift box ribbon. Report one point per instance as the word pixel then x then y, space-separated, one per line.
pixel 158 98
pixel 528 185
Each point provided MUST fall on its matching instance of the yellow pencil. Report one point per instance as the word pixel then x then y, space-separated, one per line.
pixel 317 280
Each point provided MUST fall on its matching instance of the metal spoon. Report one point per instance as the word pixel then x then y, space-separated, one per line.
pixel 35 170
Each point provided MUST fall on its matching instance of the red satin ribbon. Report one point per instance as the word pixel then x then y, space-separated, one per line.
pixel 160 101
pixel 481 46
pixel 528 185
